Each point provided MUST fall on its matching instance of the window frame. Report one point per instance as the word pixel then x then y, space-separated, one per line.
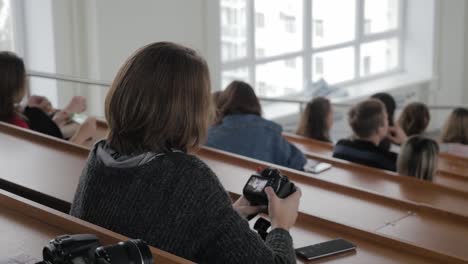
pixel 306 53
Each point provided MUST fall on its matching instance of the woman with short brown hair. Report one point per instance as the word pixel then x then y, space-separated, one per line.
pixel 143 182
pixel 241 129
pixel 414 119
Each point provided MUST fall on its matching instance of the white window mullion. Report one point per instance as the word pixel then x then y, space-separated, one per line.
pixel 307 43
pixel 264 60
pixel 334 47
pixel 359 36
pixel 402 8
pixel 379 36
pixel 251 41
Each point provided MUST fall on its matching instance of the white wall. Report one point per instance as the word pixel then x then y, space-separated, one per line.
pixel 419 37
pixel 39 45
pixel 91 39
pixel 123 26
pixel 449 87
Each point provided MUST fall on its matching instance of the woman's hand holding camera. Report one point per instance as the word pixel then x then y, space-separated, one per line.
pixel 283 212
pixel 243 207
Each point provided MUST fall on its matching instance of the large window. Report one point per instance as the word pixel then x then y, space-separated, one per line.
pixel 6 26
pixel 283 47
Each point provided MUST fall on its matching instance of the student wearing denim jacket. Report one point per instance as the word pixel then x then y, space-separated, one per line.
pixel 240 129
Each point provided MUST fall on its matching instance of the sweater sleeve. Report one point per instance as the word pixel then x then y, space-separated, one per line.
pixel 227 237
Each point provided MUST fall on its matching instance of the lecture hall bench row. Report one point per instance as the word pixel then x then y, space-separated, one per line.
pixel 328 210
pixel 451 197
pixel 449 165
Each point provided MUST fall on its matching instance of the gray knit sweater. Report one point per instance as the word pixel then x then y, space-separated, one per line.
pixel 175 203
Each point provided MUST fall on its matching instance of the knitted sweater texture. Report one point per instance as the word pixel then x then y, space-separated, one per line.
pixel 175 203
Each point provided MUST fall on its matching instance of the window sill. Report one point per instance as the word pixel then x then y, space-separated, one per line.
pixel 387 84
pixel 280 110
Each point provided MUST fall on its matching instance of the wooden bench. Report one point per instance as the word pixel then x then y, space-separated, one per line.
pixel 324 151
pixel 26 227
pixel 453 165
pixel 431 232
pixel 379 181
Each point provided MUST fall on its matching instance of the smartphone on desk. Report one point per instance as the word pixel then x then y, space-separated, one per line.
pixel 316 167
pixel 78 118
pixel 325 249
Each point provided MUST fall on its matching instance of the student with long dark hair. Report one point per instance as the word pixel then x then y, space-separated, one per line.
pixel 13 89
pixel 144 182
pixel 241 129
pixel 317 120
pixel 390 106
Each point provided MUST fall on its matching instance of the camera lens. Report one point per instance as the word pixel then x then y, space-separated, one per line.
pixel 47 252
pixel 132 251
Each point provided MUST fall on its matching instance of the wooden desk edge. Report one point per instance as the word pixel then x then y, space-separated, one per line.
pixel 74 225
pixel 305 178
pixel 391 176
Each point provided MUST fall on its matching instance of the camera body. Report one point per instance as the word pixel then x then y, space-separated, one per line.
pixel 254 189
pixel 86 249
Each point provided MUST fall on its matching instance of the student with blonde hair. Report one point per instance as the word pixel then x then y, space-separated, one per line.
pixel 454 139
pixel 418 158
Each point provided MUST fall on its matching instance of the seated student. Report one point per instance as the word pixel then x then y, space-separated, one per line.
pixel 390 105
pixel 454 137
pixel 418 158
pixel 62 118
pixel 414 119
pixel 12 91
pixel 369 123
pixel 242 130
pixel 217 104
pixel 317 120
pixel 144 181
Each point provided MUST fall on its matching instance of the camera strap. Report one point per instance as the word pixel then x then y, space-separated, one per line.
pixel 261 226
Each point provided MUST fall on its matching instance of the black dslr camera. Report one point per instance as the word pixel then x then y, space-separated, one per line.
pixel 254 189
pixel 86 249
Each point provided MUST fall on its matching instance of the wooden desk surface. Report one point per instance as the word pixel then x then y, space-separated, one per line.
pixel 393 185
pixel 26 228
pixel 320 150
pixel 32 157
pixel 384 183
pixel 353 208
pixel 453 165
